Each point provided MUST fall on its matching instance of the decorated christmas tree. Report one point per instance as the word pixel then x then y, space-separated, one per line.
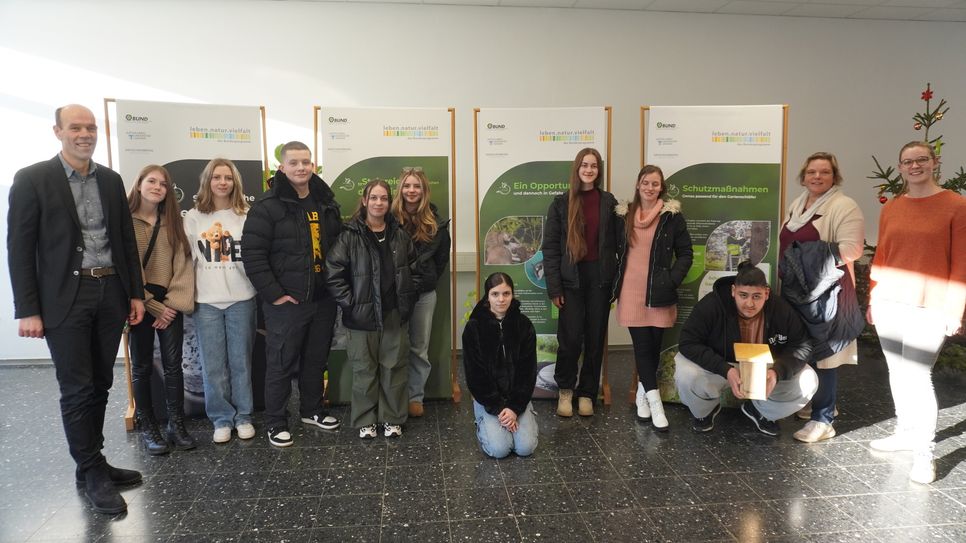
pixel 889 181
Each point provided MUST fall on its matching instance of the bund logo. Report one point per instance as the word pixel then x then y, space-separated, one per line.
pixel 136 118
pixel 338 120
pixel 495 126
pixel 666 125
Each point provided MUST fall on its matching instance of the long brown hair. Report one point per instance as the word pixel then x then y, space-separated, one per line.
pixel 360 212
pixel 421 225
pixel 168 210
pixel 576 244
pixel 636 202
pixel 206 199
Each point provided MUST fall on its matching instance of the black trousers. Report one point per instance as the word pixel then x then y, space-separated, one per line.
pixel 647 353
pixel 297 344
pixel 84 348
pixel 142 364
pixel 582 328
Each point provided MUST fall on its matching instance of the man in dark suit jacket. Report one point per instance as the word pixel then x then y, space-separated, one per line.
pixel 76 279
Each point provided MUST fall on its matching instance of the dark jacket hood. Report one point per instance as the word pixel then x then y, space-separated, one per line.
pixel 282 188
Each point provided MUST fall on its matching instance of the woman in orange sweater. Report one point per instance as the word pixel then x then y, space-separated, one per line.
pixel 919 292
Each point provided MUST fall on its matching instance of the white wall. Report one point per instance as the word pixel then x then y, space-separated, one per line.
pixel 852 85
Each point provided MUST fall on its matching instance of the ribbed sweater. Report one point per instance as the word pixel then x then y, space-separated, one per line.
pixel 166 267
pixel 921 256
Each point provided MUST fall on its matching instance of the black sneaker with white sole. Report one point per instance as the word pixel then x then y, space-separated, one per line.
pixel 705 424
pixel 280 437
pixel 323 420
pixel 765 426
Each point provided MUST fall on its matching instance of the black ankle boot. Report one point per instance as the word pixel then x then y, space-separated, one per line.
pixel 151 434
pixel 100 491
pixel 177 434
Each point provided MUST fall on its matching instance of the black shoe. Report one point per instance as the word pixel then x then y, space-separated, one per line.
pixel 323 420
pixel 765 426
pixel 151 436
pixel 280 437
pixel 119 476
pixel 100 491
pixel 705 424
pixel 178 436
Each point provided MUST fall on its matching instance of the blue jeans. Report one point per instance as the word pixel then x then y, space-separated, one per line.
pixel 225 338
pixel 497 441
pixel 823 402
pixel 420 327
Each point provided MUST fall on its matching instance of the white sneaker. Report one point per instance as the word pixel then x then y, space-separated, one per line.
pixel 923 469
pixel 222 434
pixel 391 430
pixel 658 419
pixel 246 430
pixel 368 432
pixel 893 443
pixel 643 409
pixel 814 431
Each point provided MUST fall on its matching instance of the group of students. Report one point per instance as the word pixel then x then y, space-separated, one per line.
pixel 80 264
pixel 597 251
pixel 382 267
pixel 291 248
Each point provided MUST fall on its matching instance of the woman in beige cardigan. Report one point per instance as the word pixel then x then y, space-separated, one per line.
pixel 169 293
pixel 824 213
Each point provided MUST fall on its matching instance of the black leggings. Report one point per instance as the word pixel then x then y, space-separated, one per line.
pixel 647 353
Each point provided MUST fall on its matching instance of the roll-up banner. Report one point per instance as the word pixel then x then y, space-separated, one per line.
pixel 360 144
pixel 184 138
pixel 524 157
pixel 725 164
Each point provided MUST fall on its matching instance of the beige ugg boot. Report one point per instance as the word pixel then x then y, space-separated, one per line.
pixel 565 402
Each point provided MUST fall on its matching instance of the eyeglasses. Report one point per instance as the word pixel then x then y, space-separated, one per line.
pixel 921 161
pixel 410 170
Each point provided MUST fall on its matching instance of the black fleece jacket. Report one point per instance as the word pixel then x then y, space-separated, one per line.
pixel 709 335
pixel 277 244
pixel 500 358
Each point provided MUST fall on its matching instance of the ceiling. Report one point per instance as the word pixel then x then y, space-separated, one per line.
pixel 902 10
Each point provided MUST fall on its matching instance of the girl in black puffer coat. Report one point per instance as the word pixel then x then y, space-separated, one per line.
pixel 500 359
pixel 369 273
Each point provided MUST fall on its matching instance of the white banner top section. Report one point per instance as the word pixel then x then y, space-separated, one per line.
pixel 680 136
pixel 166 132
pixel 512 136
pixel 353 134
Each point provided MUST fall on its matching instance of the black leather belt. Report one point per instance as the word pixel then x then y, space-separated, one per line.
pixel 97 273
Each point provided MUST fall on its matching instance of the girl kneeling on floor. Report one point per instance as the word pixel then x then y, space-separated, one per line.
pixel 500 360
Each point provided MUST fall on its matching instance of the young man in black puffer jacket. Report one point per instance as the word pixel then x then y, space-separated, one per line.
pixel 287 234
pixel 740 309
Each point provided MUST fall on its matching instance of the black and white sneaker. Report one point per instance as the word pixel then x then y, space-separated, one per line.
pixel 765 426
pixel 323 420
pixel 368 432
pixel 391 430
pixel 705 424
pixel 280 437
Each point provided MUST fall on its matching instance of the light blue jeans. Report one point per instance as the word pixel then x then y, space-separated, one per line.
pixel 497 441
pixel 420 329
pixel 225 338
pixel 700 390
